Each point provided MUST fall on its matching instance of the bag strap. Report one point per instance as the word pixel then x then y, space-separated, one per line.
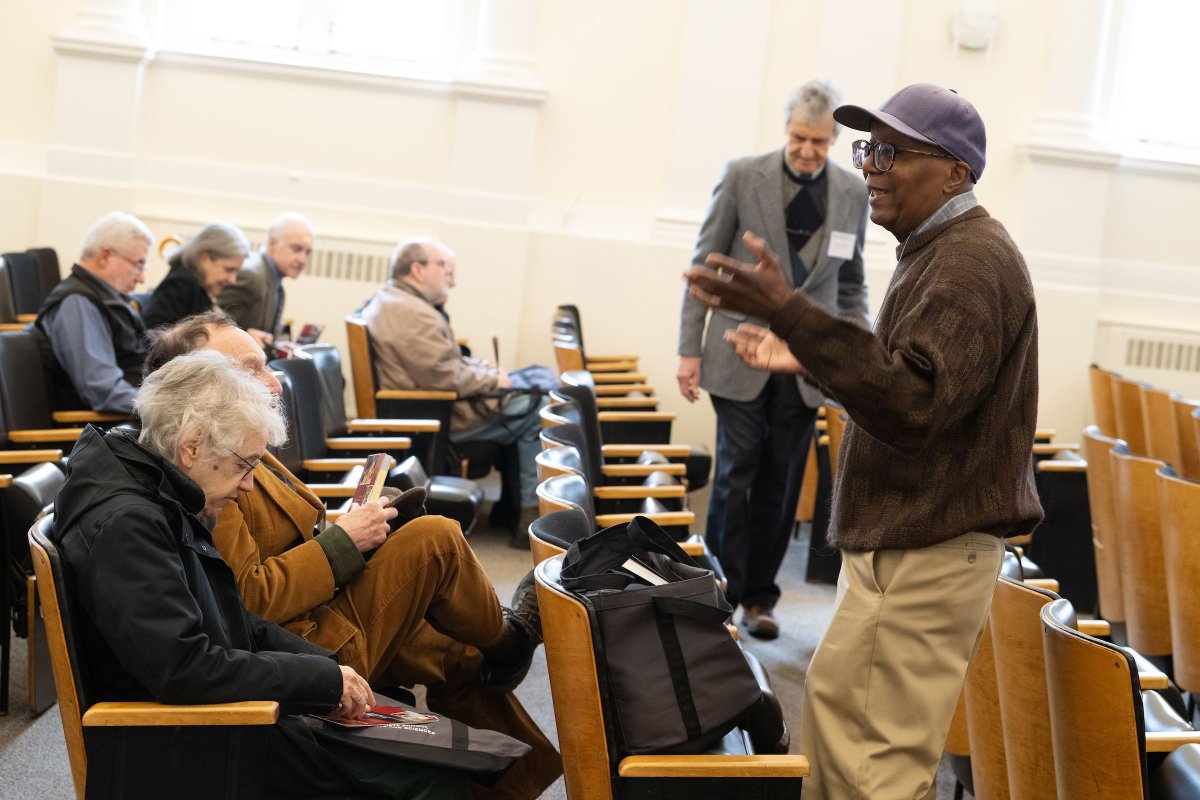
pixel 587 562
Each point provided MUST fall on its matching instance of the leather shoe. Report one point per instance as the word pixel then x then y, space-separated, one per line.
pixel 760 622
pixel 505 665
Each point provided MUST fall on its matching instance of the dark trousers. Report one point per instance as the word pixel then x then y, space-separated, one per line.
pixel 760 443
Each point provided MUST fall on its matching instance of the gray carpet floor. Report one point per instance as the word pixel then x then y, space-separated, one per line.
pixel 33 757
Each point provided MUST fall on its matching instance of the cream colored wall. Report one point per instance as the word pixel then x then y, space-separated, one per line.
pixel 376 164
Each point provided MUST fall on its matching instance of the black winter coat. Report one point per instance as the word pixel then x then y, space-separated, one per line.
pixel 161 615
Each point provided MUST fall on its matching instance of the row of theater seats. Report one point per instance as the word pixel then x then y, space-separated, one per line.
pixel 1143 475
pixel 1056 706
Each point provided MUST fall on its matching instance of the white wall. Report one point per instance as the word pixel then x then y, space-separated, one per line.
pixel 592 192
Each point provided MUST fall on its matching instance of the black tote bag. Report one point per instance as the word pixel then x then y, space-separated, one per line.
pixel 673 679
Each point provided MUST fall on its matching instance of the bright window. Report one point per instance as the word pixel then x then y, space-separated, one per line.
pixel 389 37
pixel 1155 103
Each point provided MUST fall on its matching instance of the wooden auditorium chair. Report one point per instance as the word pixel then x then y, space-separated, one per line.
pixel 140 749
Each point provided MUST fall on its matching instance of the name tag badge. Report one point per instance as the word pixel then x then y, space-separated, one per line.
pixel 841 245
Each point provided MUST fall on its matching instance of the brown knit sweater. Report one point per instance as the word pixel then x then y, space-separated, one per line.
pixel 942 397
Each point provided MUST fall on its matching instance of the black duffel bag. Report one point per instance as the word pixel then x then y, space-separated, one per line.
pixel 672 678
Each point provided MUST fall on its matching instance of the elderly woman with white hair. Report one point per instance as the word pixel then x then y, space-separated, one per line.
pixel 200 268
pixel 161 615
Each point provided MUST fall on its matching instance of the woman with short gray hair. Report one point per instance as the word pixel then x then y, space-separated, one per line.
pixel 200 268
pixel 162 619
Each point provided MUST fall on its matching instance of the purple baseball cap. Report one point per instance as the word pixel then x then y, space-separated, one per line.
pixel 929 114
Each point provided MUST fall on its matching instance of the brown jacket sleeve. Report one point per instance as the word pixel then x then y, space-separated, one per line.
pixel 281 570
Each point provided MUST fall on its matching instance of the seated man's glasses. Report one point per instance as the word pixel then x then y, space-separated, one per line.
pixel 885 154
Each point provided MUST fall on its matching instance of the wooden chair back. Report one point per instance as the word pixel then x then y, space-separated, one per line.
pixel 1016 635
pixel 1104 410
pixel 59 613
pixel 1096 720
pixel 362 370
pixel 985 732
pixel 566 491
pixel 1185 437
pixel 1158 422
pixel 574 686
pixel 1179 501
pixel 568 356
pixel 1109 589
pixel 1127 400
pixel 1139 542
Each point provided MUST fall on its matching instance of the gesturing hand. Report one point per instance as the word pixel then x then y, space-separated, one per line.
pixel 762 349
pixel 758 290
pixel 689 377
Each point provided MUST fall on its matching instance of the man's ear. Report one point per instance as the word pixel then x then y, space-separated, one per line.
pixel 959 179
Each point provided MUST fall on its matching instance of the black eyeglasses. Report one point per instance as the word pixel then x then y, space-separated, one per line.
pixel 250 465
pixel 885 154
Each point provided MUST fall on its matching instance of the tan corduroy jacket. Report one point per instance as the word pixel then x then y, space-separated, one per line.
pixel 282 571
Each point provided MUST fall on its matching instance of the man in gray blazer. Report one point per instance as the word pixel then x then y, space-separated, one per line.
pixel 256 301
pixel 817 213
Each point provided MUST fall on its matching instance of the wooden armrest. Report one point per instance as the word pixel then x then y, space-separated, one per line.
pixel 33 436
pixel 373 443
pixel 1049 584
pixel 81 417
pixel 665 518
pixel 1094 627
pixel 332 516
pixel 324 490
pixel 612 358
pixel 823 441
pixel 393 426
pixel 1050 465
pixel 1167 741
pixel 693 547
pixel 332 464
pixel 11 327
pixel 636 416
pixel 414 394
pixel 627 402
pixel 618 389
pixel 637 492
pixel 733 631
pixel 618 377
pixel 5 481
pixel 1045 434
pixel 641 470
pixel 248 712
pixel 635 450
pixel 612 366
pixel 786 766
pixel 26 318
pixel 1153 680
pixel 1045 449
pixel 30 456
pixel 821 425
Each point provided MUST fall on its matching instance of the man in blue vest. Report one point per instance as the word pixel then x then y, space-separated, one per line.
pixel 93 340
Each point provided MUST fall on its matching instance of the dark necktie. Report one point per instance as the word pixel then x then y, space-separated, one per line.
pixel 803 219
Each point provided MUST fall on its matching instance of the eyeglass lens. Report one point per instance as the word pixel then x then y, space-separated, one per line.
pixel 885 154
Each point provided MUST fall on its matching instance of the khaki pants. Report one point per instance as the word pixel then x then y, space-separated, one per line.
pixel 883 683
pixel 422 610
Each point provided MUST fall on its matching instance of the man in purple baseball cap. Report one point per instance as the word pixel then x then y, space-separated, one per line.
pixel 935 467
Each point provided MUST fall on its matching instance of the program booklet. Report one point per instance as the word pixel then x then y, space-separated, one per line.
pixel 383 717
pixel 375 473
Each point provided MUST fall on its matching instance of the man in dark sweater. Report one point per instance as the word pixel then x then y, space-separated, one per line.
pixel 936 465
pixel 92 339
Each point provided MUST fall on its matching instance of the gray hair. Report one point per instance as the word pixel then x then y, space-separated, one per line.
pixel 218 239
pixel 205 393
pixel 409 252
pixel 116 231
pixel 813 102
pixel 276 226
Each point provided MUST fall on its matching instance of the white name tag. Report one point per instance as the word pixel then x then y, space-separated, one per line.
pixel 841 245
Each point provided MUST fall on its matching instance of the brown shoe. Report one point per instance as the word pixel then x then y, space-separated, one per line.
pixel 760 622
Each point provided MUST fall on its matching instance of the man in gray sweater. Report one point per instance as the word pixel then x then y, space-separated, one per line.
pixel 936 461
